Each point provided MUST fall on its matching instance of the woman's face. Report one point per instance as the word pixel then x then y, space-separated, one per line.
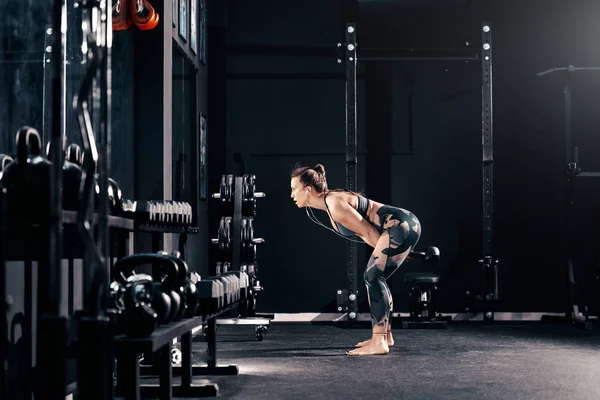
pixel 299 194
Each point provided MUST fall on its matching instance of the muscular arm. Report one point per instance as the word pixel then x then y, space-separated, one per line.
pixel 343 213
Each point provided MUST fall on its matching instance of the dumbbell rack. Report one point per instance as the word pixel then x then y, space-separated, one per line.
pixel 159 343
pixel 237 246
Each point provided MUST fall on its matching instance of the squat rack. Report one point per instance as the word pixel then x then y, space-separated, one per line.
pixel 347 298
pixel 573 172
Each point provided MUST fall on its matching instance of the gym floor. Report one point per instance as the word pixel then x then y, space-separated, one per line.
pixel 303 361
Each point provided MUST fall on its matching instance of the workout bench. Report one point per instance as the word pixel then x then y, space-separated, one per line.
pixel 423 293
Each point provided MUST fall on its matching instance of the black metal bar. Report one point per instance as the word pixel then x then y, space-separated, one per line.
pixel 51 346
pixel 156 241
pixel 56 109
pixel 165 375
pixel 128 374
pixel 4 305
pixel 588 175
pixel 568 121
pixel 487 139
pixel 411 116
pixel 104 153
pixel 351 159
pixel 408 53
pixel 237 223
pixel 490 265
pixel 211 339
pixel 95 350
pixel 47 90
pixel 417 58
pixel 283 75
pixel 186 359
pixel 332 154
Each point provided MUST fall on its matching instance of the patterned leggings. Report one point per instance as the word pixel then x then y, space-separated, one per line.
pixel 401 232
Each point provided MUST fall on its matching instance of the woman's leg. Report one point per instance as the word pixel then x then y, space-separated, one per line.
pixel 391 250
pixel 379 300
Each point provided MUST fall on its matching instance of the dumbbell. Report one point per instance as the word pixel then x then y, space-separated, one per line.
pixel 242 278
pixel 237 284
pixel 233 281
pixel 166 300
pixel 430 254
pixel 210 296
pixel 227 286
pixel 181 212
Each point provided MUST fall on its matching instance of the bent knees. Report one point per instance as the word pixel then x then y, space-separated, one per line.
pixel 372 276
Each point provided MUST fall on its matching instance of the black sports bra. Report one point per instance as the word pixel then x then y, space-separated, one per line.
pixel 363 207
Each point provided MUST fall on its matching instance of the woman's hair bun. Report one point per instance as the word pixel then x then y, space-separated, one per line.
pixel 320 169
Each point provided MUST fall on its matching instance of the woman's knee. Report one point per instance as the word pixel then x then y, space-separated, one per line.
pixel 372 276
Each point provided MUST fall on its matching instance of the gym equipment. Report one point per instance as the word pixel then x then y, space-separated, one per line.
pixel 162 215
pixel 210 296
pixel 576 313
pixel 115 197
pixel 351 54
pixel 237 242
pixel 140 319
pixel 27 179
pixel 226 195
pixel 74 154
pixel 224 235
pixel 166 300
pixel 5 159
pixel 143 14
pixel 120 16
pixel 72 176
pixel 186 289
pixel 430 254
pixel 423 306
pixel 249 196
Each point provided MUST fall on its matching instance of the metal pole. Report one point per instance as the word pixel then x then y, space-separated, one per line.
pixel 417 58
pixel 351 158
pixel 490 265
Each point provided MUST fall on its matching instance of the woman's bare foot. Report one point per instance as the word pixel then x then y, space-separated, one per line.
pixel 390 341
pixel 376 346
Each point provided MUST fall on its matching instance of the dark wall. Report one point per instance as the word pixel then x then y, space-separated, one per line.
pixel 277 121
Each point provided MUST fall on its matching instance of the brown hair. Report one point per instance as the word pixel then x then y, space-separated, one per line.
pixel 314 177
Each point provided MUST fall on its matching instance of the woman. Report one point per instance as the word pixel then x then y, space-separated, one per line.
pixel 392 232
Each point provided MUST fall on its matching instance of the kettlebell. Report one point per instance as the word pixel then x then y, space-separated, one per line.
pixel 115 197
pixel 189 297
pixel 71 175
pixel 5 159
pixel 162 300
pixel 74 154
pixel 140 318
pixel 27 180
pixel 116 309
pixel 169 283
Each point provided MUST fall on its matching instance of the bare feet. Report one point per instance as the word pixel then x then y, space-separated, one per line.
pixel 376 346
pixel 390 341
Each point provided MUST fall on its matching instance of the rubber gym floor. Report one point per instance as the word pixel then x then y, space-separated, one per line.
pixel 304 361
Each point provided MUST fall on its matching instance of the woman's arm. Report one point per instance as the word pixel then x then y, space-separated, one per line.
pixel 346 215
